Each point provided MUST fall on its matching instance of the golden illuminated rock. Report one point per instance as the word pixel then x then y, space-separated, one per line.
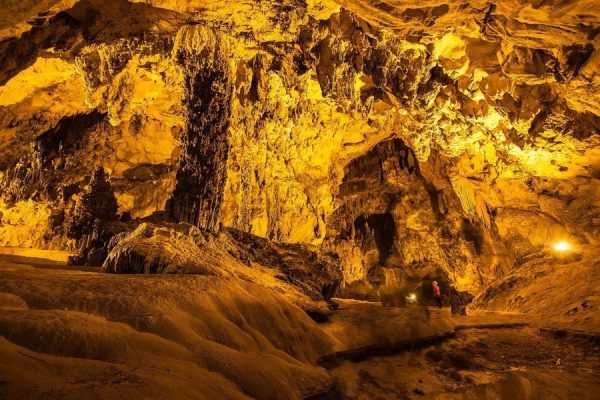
pixel 275 118
pixel 276 163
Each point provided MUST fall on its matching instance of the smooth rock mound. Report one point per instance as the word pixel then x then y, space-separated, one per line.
pixel 107 336
pixel 307 278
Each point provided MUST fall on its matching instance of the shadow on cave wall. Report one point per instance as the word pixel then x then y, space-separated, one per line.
pixel 380 228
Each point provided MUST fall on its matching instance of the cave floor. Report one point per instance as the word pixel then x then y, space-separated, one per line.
pixel 505 363
pixel 418 352
pixel 362 329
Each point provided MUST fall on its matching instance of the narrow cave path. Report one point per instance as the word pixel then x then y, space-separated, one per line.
pixel 364 329
pixel 418 352
pixel 506 363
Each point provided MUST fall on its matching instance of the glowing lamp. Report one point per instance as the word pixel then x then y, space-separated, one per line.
pixel 561 246
pixel 412 297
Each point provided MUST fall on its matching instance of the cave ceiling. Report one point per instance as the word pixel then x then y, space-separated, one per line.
pixel 266 103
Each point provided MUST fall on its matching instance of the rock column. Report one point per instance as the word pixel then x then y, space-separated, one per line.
pixel 201 176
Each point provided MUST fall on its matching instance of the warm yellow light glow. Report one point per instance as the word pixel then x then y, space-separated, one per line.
pixel 412 297
pixel 562 246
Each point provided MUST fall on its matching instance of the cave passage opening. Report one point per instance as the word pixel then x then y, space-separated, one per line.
pixel 381 228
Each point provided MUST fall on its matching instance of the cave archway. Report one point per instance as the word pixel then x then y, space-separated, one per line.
pixel 389 232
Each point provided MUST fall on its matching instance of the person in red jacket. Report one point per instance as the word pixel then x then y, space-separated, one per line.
pixel 437 293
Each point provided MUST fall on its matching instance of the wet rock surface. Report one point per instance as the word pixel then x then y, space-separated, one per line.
pixel 479 364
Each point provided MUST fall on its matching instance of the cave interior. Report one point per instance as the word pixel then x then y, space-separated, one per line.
pixel 216 199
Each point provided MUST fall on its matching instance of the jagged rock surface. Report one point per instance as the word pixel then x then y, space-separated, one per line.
pixel 394 230
pixel 204 56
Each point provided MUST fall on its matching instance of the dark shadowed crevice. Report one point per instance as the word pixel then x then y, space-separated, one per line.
pixel 38 173
pixel 379 227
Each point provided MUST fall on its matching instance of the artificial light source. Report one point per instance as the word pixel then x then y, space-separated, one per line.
pixel 561 246
pixel 412 297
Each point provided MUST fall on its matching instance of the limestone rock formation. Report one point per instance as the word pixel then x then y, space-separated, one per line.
pixel 204 57
pixel 97 202
pixel 307 278
pixel 226 174
pixel 408 141
pixel 151 250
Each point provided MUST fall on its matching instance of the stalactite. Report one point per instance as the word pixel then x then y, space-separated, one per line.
pixel 472 201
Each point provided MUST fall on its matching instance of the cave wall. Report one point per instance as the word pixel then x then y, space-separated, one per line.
pixel 394 228
pixel 126 92
pixel 249 114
